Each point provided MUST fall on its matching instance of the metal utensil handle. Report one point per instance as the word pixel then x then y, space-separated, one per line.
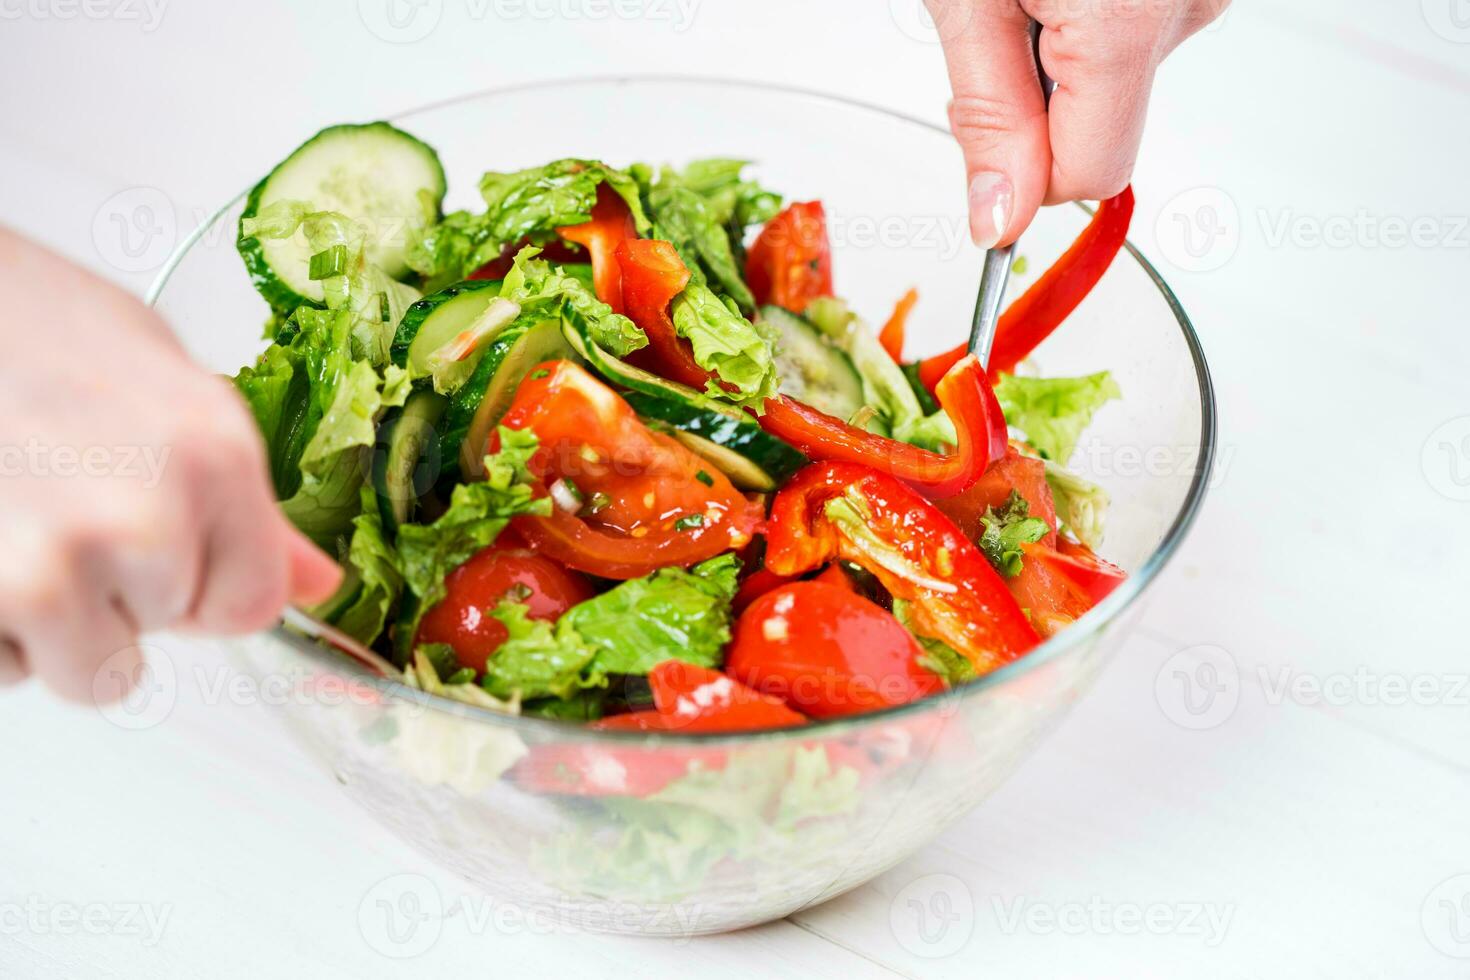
pixel 997 270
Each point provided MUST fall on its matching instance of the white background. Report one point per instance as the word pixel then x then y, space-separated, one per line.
pixel 1326 833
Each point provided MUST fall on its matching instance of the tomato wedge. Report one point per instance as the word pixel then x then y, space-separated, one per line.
pixel 790 262
pixel 697 699
pixel 828 652
pixel 611 224
pixel 1023 474
pixel 646 501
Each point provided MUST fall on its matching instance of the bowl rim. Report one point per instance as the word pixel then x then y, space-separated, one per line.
pixel 1061 643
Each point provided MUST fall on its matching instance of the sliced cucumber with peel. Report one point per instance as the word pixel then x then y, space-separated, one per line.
pixel 734 443
pixel 374 173
pixel 731 440
pixel 811 368
pixel 408 467
pixel 478 405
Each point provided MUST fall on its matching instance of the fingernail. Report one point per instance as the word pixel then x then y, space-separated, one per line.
pixel 991 198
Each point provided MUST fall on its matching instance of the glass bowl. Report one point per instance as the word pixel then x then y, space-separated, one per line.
pixel 708 833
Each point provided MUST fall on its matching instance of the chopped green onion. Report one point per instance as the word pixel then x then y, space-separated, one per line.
pixel 689 521
pixel 328 263
pixel 705 478
pixel 538 375
pixel 598 502
pixel 465 675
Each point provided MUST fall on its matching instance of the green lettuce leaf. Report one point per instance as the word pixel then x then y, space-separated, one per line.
pixel 277 390
pixel 477 513
pixel 1053 412
pixel 683 217
pixel 730 199
pixel 1004 532
pixel 765 806
pixel 672 614
pixel 939 657
pixel 737 351
pixel 375 566
pixel 538 659
pixel 1081 505
pixel 539 286
pixel 522 204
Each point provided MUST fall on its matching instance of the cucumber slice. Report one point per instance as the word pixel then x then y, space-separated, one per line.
pixel 477 406
pixel 734 443
pixel 373 173
pixel 436 319
pixel 731 440
pixel 811 369
pixel 408 468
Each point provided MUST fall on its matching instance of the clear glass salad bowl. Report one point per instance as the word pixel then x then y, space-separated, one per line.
pixel 717 832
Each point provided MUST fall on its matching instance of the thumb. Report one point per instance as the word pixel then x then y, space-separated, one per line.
pixel 998 115
pixel 311 576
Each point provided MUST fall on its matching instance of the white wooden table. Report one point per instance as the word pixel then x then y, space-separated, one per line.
pixel 1302 183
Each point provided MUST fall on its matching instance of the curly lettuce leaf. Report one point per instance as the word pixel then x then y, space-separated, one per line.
pixel 277 390
pixel 373 576
pixel 1004 531
pixel 765 806
pixel 1081 505
pixel 672 614
pixel 538 659
pixel 477 513
pixel 1053 412
pixel 523 204
pixel 683 217
pixel 730 199
pixel 542 287
pixel 737 351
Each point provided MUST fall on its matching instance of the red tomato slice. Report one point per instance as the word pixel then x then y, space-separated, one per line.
pixel 1025 475
pixel 462 618
pixel 790 262
pixel 827 652
pixel 611 223
pixel 648 502
pixel 1097 576
pixel 1050 597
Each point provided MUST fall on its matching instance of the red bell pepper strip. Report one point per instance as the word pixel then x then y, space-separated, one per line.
pixel 790 261
pixel 964 393
pixel 611 224
pixel 659 505
pixel 853 512
pixel 1052 298
pixel 1098 577
pixel 653 274
pixel 892 334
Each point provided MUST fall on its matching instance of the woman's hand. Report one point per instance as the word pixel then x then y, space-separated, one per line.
pixel 134 493
pixel 1102 54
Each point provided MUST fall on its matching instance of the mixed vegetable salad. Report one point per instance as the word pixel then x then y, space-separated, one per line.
pixel 612 450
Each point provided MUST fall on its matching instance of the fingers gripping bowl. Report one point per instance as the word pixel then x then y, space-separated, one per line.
pixel 678 831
